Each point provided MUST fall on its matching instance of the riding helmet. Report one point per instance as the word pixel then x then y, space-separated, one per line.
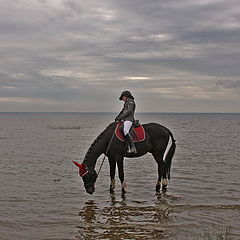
pixel 127 94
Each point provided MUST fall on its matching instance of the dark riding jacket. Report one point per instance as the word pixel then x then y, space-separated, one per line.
pixel 127 112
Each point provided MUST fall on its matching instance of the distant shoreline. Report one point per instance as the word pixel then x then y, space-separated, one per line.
pixel 117 112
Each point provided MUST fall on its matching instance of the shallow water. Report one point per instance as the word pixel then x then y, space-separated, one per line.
pixel 42 195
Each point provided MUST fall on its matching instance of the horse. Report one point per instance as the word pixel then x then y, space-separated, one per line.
pixel 156 143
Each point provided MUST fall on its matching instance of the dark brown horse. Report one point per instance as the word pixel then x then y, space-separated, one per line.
pixel 156 142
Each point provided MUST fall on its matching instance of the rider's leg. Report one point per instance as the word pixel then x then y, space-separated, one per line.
pixel 129 139
pixel 127 126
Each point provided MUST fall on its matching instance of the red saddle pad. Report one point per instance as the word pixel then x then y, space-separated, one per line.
pixel 138 133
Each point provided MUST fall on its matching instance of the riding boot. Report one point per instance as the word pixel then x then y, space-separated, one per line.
pixel 130 142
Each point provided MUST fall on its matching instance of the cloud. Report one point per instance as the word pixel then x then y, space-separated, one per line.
pixel 230 83
pixel 88 52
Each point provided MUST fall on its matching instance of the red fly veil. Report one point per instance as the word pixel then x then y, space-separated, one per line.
pixel 82 168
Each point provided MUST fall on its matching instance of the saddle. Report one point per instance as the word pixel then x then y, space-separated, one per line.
pixel 137 132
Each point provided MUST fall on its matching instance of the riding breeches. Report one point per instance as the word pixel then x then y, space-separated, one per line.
pixel 127 126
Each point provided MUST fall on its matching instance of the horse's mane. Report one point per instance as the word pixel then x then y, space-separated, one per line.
pixel 97 139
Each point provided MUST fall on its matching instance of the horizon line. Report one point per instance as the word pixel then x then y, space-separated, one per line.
pixel 48 112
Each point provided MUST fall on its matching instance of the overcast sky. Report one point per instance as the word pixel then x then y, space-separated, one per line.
pixel 78 55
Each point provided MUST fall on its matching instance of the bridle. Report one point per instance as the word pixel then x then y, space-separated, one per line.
pixel 105 154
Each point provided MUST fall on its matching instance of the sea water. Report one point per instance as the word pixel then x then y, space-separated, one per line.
pixel 43 197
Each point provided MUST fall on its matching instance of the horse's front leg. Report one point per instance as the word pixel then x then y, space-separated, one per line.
pixel 119 160
pixel 112 164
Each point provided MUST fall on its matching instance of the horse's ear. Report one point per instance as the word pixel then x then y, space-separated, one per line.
pixel 77 164
pixel 82 168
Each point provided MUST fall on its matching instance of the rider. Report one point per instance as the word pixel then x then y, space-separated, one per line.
pixel 127 116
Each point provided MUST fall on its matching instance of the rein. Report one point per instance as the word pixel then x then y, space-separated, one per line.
pixel 105 154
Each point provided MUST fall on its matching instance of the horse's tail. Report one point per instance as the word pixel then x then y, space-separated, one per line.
pixel 169 156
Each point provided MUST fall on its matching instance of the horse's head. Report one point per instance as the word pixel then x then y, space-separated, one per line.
pixel 89 177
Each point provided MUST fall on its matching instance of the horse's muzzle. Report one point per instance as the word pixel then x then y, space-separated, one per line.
pixel 90 189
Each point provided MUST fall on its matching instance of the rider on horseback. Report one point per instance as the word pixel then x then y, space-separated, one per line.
pixel 127 116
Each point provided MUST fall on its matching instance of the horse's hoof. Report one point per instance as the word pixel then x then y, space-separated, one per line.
pixel 124 191
pixel 112 186
pixel 124 188
pixel 158 188
pixel 164 187
pixel 164 184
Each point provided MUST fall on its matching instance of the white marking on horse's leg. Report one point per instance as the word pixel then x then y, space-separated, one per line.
pixel 124 187
pixel 112 184
pixel 164 182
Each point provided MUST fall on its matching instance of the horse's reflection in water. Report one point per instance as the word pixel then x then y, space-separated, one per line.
pixel 88 213
pixel 121 220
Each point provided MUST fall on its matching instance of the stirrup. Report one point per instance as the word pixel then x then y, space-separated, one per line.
pixel 132 150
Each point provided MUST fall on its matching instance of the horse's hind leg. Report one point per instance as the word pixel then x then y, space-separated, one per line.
pixel 158 156
pixel 112 164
